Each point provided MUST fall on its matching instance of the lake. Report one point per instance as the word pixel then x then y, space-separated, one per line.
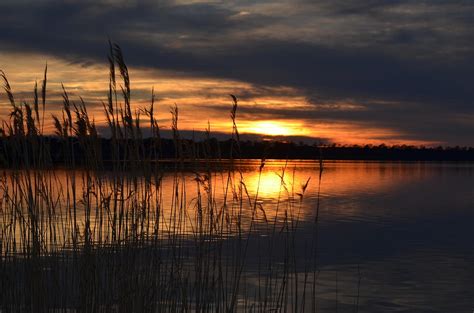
pixel 410 227
pixel 362 236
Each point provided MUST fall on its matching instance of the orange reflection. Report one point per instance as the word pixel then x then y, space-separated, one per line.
pixel 276 200
pixel 269 183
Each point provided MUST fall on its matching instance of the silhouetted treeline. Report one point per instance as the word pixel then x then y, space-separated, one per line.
pixel 290 150
pixel 16 152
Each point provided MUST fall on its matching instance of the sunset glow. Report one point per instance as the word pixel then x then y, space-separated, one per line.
pixel 273 128
pixel 323 83
pixel 200 100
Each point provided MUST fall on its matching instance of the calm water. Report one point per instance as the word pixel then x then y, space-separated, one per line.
pixel 396 237
pixel 408 227
pixel 411 229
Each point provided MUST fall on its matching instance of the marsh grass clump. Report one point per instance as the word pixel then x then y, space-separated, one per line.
pixel 106 234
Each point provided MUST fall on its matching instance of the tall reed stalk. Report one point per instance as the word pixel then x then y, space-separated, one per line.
pixel 107 235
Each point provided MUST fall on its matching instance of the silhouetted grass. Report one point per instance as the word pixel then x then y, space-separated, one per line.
pixel 97 238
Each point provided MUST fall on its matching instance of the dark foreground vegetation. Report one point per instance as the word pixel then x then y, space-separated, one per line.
pixel 111 237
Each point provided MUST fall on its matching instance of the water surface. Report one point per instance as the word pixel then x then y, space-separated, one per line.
pixel 391 237
pixel 401 235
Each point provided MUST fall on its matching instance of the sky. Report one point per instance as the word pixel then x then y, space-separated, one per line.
pixel 340 71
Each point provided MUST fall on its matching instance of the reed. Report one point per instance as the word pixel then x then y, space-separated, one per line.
pixel 97 237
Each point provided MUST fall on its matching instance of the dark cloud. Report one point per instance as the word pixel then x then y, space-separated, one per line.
pixel 417 55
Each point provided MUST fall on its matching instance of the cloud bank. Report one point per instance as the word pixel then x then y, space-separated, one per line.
pixel 406 65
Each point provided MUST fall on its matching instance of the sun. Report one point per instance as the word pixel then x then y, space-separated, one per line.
pixel 271 128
